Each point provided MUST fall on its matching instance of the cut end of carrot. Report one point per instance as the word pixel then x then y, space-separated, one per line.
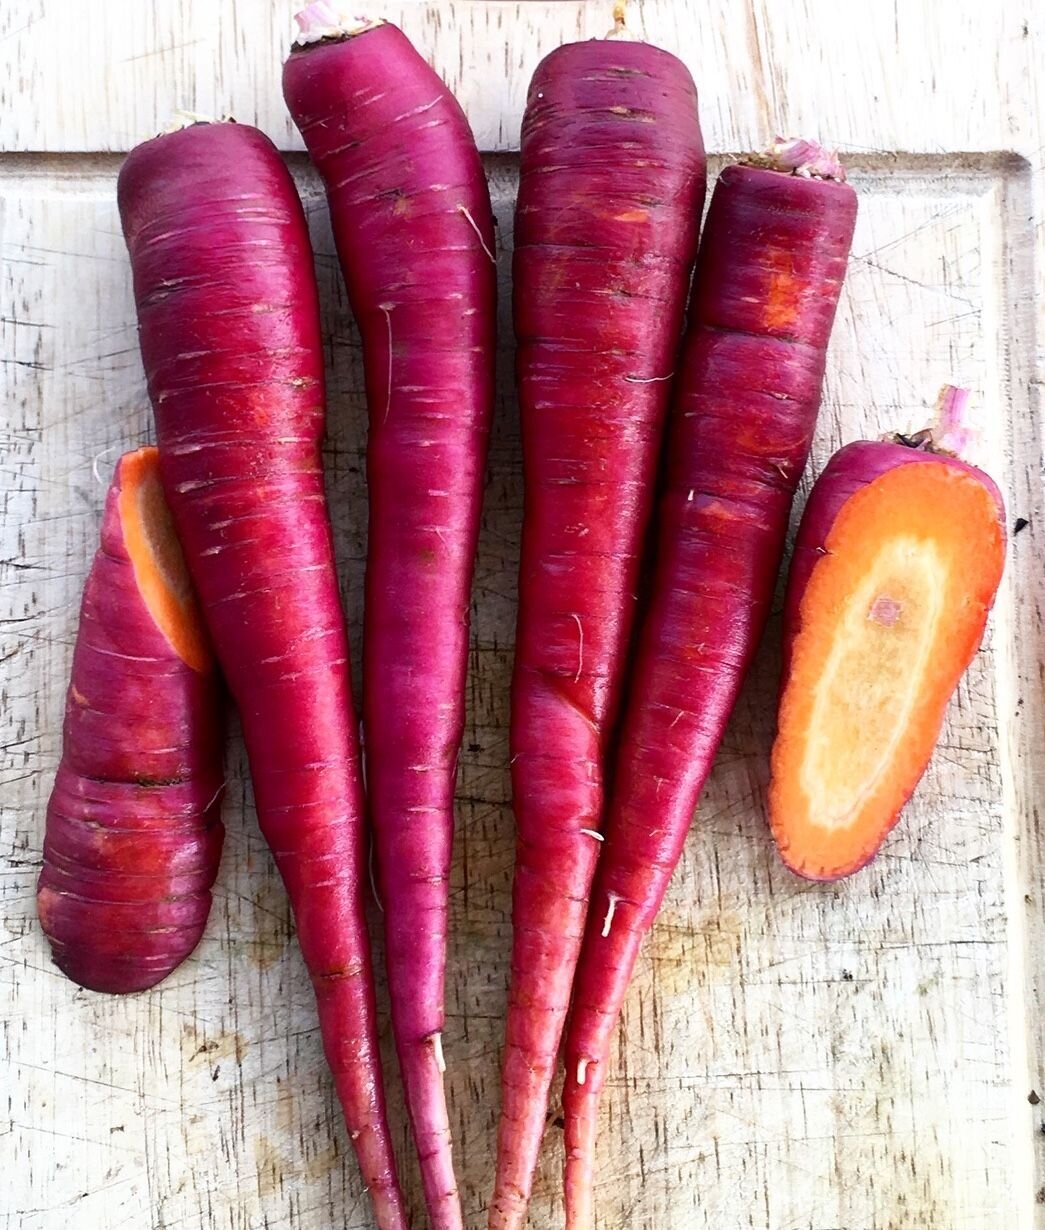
pixel 890 618
pixel 181 120
pixel 795 156
pixel 159 566
pixel 620 29
pixel 321 20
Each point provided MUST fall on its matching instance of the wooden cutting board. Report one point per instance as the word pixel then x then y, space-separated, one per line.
pixel 793 1057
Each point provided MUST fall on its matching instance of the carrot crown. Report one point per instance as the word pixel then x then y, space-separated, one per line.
pixel 795 156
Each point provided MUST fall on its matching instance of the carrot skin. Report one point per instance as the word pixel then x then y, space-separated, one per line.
pixel 769 272
pixel 413 225
pixel 134 835
pixel 230 337
pixel 612 181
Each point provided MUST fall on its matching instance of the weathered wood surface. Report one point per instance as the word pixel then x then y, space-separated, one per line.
pixel 793 1057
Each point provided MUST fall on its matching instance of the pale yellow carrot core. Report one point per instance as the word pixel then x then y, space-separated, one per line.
pixel 890 618
pixel 156 557
pixel 873 668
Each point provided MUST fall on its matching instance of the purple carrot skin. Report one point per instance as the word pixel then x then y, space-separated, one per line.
pixel 133 824
pixel 766 286
pixel 612 181
pixel 414 231
pixel 229 324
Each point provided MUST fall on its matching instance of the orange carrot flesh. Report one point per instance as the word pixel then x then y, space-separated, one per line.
pixel 157 560
pixel 889 619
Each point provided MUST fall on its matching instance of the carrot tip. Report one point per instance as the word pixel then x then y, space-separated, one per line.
pixel 620 31
pixel 953 434
pixel 185 119
pixel 321 20
pixel 436 1040
pixel 795 156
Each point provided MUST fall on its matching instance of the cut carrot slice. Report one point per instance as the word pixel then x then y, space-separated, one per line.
pixel 156 556
pixel 890 618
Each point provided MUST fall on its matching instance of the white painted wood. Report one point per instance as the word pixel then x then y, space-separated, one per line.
pixel 793 1057
pixel 104 74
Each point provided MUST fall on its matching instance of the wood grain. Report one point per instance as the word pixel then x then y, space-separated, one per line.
pixel 793 1057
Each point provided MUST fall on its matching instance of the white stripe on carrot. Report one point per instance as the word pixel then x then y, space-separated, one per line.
pixel 608 920
pixel 580 647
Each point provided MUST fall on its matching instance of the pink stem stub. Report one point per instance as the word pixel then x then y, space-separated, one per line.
pixel 952 433
pixel 795 156
pixel 317 16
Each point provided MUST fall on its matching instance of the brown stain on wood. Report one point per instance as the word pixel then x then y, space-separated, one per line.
pixel 197 1047
pixel 269 1166
pixel 275 1166
pixel 273 928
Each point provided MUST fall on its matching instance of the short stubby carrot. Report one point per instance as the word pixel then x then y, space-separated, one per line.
pixel 229 324
pixel 134 830
pixel 612 181
pixel 769 272
pixel 414 231
pixel 898 558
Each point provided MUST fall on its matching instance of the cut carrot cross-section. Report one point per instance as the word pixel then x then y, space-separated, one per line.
pixel 889 616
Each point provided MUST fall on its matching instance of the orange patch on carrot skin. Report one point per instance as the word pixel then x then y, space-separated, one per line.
pixel 156 557
pixel 890 618
pixel 781 299
pixel 632 215
pixel 722 511
pixel 781 303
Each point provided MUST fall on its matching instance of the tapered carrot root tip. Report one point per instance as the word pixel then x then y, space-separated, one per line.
pixel 580 1110
pixel 890 617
